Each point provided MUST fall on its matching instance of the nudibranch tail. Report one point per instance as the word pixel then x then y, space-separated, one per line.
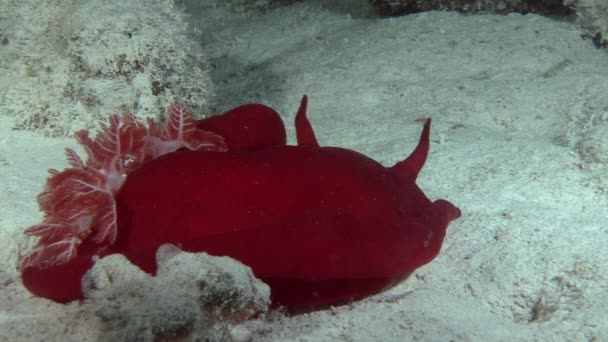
pixel 411 166
pixel 304 133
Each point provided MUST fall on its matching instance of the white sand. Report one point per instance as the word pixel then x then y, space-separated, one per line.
pixel 519 144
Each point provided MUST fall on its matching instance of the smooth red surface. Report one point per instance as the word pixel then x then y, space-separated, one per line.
pixel 248 127
pixel 60 283
pixel 320 225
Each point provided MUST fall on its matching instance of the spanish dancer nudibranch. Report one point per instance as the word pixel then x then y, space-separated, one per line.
pixel 320 225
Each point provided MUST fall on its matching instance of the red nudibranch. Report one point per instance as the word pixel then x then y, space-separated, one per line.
pixel 320 225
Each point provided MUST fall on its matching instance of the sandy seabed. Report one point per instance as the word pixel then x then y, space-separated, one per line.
pixel 519 144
